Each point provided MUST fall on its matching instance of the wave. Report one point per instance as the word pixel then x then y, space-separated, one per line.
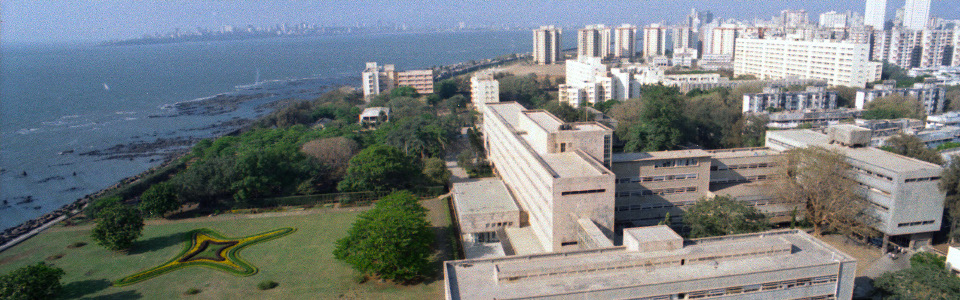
pixel 84 125
pixel 124 112
pixel 27 130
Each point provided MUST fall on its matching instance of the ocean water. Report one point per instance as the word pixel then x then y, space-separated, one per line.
pixel 57 102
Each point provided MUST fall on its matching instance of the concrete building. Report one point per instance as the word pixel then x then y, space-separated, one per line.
pixel 593 41
pixel 794 18
pixel 947 119
pixel 656 263
pixel 908 48
pixel 832 19
pixel 377 79
pixel 421 80
pixel 482 208
pixel 625 41
pixel 684 57
pixel 929 94
pixel 816 118
pixel 556 171
pixel 814 98
pixel 588 80
pixel 546 45
pixel 373 115
pixel 839 63
pixel 654 41
pixel 684 37
pixel 916 14
pixel 902 193
pixel 723 40
pixel 875 13
pixel 484 89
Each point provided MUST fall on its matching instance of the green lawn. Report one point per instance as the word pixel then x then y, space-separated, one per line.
pixel 301 263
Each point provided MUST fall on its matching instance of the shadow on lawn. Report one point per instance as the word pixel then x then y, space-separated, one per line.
pixel 124 295
pixel 157 243
pixel 78 289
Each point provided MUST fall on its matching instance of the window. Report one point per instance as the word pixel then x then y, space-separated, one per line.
pixel 582 192
pixel 563 147
pixel 567 244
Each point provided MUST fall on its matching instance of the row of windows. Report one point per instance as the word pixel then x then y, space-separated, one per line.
pixel 875 174
pixel 657 178
pixel 582 192
pixel 499 224
pixel 915 223
pixel 743 166
pixel 922 179
pixel 667 191
pixel 673 163
pixel 768 286
pixel 745 179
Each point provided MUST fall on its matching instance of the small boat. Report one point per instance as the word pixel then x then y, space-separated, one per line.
pixel 66 152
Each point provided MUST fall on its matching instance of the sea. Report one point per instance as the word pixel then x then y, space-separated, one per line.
pixel 66 110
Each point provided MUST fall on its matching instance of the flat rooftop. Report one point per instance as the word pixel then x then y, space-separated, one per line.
pixel 639 156
pixel 616 267
pixel 742 152
pixel 482 196
pixel 801 138
pixel 867 155
pixel 571 165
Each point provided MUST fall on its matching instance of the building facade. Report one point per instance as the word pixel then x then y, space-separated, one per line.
pixel 654 41
pixel 625 41
pixel 875 13
pixel 814 98
pixel 484 89
pixel 420 80
pixel 839 63
pixel 593 41
pixel 590 81
pixel 916 14
pixel 929 95
pixel 546 45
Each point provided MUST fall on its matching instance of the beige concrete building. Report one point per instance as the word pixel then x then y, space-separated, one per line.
pixel 909 48
pixel 546 45
pixel 421 80
pixel 839 63
pixel 902 192
pixel 813 98
pixel 655 263
pixel 377 78
pixel 556 171
pixel 625 41
pixel 654 41
pixel 930 95
pixel 593 41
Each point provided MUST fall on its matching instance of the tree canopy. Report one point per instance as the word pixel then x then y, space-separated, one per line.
pixel 950 183
pixel 391 241
pixel 381 168
pixel 816 178
pixel 662 125
pixel 33 282
pixel 893 107
pixel 117 227
pixel 159 199
pixel 723 215
pixel 911 146
pixel 925 279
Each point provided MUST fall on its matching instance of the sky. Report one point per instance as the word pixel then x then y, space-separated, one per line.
pixel 64 21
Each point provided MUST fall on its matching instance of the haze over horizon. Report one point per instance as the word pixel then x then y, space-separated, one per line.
pixel 47 22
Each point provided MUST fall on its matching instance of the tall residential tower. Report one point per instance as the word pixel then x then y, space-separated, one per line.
pixel 916 13
pixel 546 45
pixel 875 13
pixel 625 41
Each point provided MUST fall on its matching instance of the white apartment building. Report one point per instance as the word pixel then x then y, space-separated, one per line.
pixel 909 48
pixel 875 13
pixel 723 40
pixel 590 81
pixel 484 89
pixel 902 193
pixel 683 57
pixel 929 94
pixel 833 19
pixel 625 41
pixel 593 41
pixel 839 63
pixel 654 41
pixel 377 79
pixel 916 14
pixel 546 45
pixel 684 37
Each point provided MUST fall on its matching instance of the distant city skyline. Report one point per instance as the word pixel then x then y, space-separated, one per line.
pixel 27 21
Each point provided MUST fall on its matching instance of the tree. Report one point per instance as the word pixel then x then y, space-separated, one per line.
pixel 846 96
pixel 159 199
pixel 97 205
pixel 816 178
pixel 380 168
pixel 893 107
pixel 334 153
pixel 445 88
pixel 117 227
pixel 39 281
pixel 950 183
pixel 722 215
pixel 923 280
pixel 405 107
pixel 662 124
pixel 627 114
pixel 953 98
pixel 392 240
pixel 435 171
pixel 404 91
pixel 912 146
pixel 456 103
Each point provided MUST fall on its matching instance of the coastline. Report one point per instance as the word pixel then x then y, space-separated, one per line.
pixel 9 237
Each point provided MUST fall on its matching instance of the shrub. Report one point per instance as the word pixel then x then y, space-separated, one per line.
pixel 118 226
pixel 39 281
pixel 360 278
pixel 267 284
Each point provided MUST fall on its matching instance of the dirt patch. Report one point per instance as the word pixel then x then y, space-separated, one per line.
pixel 55 257
pixel 16 257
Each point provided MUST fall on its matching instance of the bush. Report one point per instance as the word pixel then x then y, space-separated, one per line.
pixel 118 227
pixel 99 204
pixel 192 291
pixel 360 278
pixel 267 284
pixel 39 281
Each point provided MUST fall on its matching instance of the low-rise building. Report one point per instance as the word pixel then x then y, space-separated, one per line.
pixel 815 118
pixel 814 98
pixel 656 263
pixel 902 193
pixel 929 94
pixel 381 79
pixel 421 80
pixel 373 115
pixel 588 80
pixel 947 119
pixel 484 89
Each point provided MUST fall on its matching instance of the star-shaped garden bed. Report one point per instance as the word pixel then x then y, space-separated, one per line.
pixel 210 249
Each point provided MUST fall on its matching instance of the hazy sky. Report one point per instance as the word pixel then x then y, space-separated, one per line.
pixel 52 21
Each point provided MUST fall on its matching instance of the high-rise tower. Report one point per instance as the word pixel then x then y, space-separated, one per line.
pixel 546 45
pixel 875 13
pixel 916 13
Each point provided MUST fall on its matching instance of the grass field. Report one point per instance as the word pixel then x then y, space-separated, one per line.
pixel 301 263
